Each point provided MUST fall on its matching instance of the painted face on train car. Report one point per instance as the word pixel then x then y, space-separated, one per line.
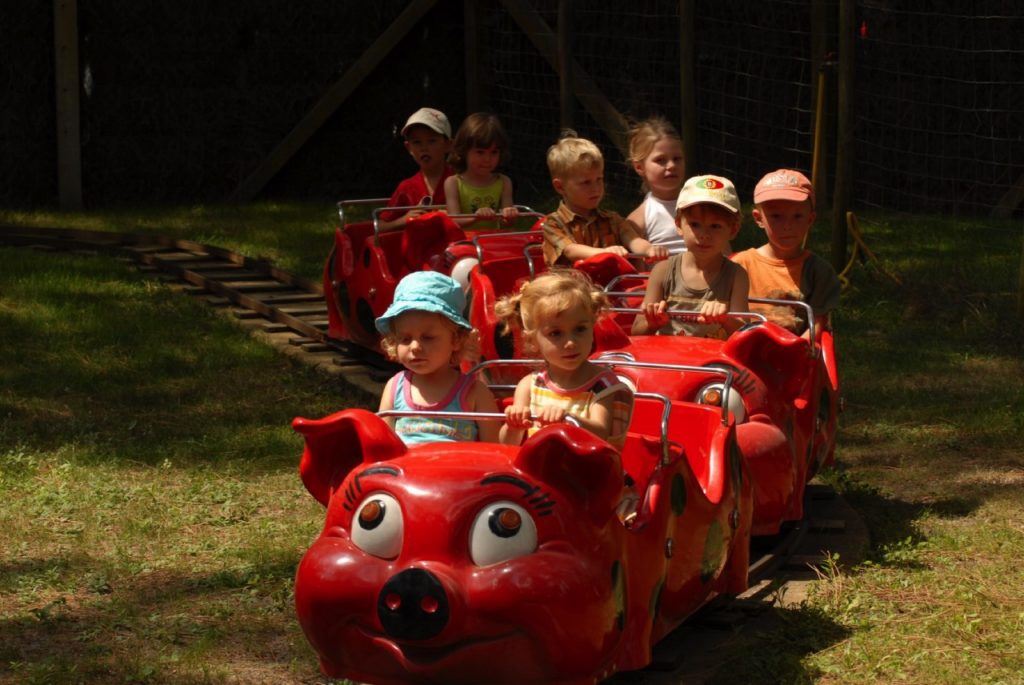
pixel 457 563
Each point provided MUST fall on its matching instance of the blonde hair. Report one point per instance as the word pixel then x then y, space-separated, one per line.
pixel 389 342
pixel 547 296
pixel 644 135
pixel 572 153
pixel 479 130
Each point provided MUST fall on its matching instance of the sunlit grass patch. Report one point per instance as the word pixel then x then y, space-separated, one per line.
pixel 152 515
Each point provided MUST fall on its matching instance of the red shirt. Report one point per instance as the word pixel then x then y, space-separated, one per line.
pixel 413 190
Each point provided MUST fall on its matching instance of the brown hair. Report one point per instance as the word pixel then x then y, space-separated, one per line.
pixel 479 130
pixel 716 209
pixel 548 295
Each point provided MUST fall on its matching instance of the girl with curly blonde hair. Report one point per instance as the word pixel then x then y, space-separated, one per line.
pixel 556 314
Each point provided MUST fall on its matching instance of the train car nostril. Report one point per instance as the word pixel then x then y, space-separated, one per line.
pixel 413 605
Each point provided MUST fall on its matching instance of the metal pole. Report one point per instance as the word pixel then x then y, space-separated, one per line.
pixel 845 117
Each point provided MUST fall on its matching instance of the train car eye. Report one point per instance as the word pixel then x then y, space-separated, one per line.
pixel 712 394
pixel 377 527
pixel 501 531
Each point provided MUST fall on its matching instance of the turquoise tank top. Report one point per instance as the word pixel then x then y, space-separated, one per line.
pixel 416 429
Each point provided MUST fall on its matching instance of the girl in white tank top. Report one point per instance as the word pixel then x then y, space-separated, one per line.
pixel 656 152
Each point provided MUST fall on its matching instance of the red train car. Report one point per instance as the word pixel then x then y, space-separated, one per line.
pixel 475 562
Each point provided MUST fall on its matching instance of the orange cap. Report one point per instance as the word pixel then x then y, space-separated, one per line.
pixel 784 184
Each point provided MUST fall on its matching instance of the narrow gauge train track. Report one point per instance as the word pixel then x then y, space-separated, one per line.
pixel 288 309
pixel 781 569
pixel 292 308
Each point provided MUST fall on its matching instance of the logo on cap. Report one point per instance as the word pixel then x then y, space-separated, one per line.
pixel 781 180
pixel 709 184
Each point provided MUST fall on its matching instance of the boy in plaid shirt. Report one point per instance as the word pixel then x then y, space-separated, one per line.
pixel 579 228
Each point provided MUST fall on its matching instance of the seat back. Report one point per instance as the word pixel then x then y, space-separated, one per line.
pixel 424 240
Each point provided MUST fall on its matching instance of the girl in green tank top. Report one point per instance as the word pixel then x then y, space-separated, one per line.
pixel 477 188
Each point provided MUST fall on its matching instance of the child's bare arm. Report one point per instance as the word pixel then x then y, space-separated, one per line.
pixel 508 209
pixel 637 218
pixel 644 247
pixel 451 194
pixel 574 251
pixel 822 323
pixel 482 400
pixel 600 421
pixel 653 317
pixel 739 301
pixel 386 401
pixel 396 224
pixel 517 414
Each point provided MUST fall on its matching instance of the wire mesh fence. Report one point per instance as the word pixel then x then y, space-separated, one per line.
pixel 938 105
pixel 182 100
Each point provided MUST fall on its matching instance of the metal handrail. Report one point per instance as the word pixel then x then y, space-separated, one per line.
pixel 405 208
pixel 356 203
pixel 690 317
pixel 463 415
pixel 525 211
pixel 609 289
pixel 666 413
pixel 621 359
pixel 796 304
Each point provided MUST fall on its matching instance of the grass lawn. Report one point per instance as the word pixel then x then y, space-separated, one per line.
pixel 152 517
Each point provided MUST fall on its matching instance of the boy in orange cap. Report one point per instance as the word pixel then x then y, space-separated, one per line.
pixel 782 268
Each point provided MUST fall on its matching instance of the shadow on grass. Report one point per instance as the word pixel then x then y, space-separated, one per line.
pixel 891 521
pixel 772 649
pixel 164 628
pixel 123 369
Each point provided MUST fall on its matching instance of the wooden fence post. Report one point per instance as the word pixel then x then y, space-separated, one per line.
pixel 819 91
pixel 69 140
pixel 844 134
pixel 1020 286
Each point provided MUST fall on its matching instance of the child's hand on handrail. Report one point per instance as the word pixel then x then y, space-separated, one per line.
pixel 519 416
pixel 656 253
pixel 655 314
pixel 712 311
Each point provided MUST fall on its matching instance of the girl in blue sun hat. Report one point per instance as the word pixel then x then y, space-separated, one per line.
pixel 424 330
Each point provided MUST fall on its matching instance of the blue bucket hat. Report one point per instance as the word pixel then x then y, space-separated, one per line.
pixel 426 291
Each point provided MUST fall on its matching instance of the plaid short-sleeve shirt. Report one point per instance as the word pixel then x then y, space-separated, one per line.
pixel 602 228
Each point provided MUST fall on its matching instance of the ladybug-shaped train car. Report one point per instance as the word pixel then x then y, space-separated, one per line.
pixel 474 562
